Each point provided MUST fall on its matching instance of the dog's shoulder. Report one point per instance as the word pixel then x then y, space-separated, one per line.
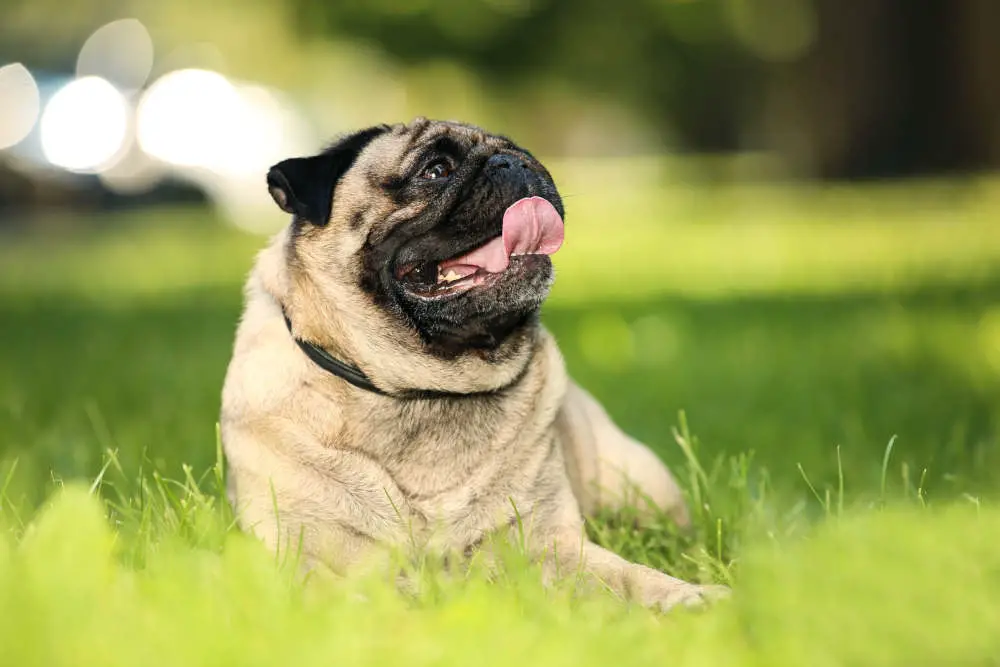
pixel 266 369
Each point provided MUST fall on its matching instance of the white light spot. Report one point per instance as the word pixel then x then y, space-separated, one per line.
pixel 198 118
pixel 84 125
pixel 19 104
pixel 187 118
pixel 120 52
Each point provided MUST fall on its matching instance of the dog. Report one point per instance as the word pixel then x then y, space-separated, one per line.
pixel 391 382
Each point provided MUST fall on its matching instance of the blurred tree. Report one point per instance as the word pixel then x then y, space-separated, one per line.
pixel 892 87
pixel 673 59
pixel 842 88
pixel 49 33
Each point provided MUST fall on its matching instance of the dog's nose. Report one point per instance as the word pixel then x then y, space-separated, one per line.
pixel 505 161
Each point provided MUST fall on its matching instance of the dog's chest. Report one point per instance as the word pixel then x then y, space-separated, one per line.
pixel 451 461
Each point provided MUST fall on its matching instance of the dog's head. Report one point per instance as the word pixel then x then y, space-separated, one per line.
pixel 431 240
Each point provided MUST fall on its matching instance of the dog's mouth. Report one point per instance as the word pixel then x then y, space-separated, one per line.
pixel 531 226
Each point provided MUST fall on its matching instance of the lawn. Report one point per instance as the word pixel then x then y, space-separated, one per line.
pixel 821 367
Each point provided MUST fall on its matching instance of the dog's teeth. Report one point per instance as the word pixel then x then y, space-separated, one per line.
pixel 449 277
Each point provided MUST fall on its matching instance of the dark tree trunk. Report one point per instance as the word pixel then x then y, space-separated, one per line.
pixel 892 88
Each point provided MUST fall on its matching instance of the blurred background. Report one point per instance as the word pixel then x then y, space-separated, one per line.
pixel 113 102
pixel 782 214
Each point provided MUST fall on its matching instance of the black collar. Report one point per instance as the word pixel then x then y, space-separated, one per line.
pixel 357 377
pixel 331 364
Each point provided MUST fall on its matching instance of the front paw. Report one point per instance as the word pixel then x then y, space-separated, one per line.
pixel 683 594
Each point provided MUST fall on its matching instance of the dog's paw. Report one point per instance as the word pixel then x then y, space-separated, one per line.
pixel 690 596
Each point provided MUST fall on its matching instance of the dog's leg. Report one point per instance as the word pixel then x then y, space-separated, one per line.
pixel 295 539
pixel 571 556
pixel 607 468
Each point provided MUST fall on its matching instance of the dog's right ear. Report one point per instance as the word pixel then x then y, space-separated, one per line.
pixel 303 186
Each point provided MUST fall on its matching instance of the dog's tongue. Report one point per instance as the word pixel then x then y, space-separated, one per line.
pixel 531 226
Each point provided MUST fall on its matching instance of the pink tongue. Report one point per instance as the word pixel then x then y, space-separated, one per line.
pixel 531 226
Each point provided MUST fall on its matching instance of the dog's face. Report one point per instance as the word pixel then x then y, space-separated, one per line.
pixel 444 228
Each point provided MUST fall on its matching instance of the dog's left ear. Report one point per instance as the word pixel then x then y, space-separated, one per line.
pixel 303 186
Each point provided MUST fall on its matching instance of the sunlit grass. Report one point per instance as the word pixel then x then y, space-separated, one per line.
pixel 625 240
pixel 800 330
pixel 128 258
pixel 900 585
pixel 717 240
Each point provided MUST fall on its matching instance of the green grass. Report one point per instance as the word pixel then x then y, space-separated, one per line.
pixel 769 343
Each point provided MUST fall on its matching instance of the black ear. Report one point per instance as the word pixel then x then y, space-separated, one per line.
pixel 303 186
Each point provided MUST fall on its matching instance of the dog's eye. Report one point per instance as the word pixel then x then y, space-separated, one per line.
pixel 437 169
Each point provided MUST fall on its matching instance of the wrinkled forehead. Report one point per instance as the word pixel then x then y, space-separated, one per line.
pixel 396 151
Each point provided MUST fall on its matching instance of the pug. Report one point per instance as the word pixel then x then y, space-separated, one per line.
pixel 391 384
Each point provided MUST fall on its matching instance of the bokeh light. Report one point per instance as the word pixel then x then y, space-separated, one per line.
pixel 184 117
pixel 607 342
pixel 774 30
pixel 198 118
pixel 120 52
pixel 20 104
pixel 256 132
pixel 134 174
pixel 657 340
pixel 989 338
pixel 85 124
